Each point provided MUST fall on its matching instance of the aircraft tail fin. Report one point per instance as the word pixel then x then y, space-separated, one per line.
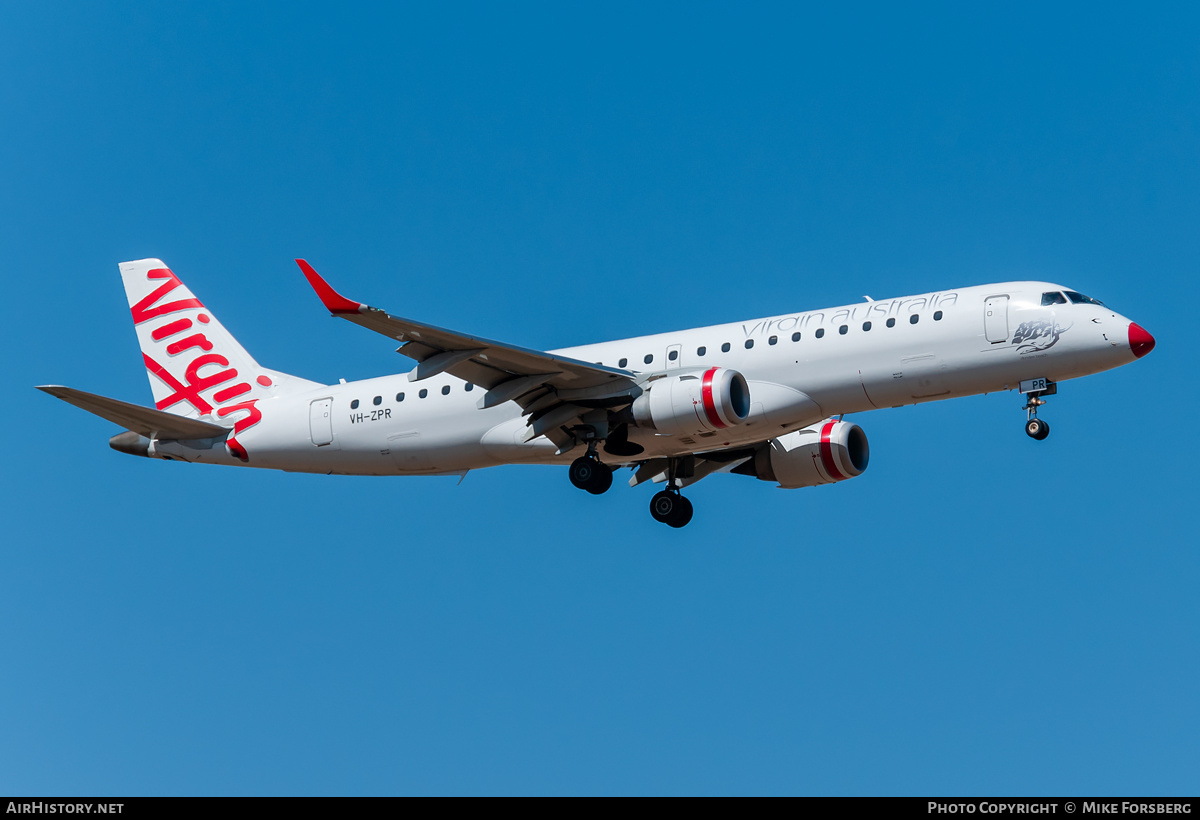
pixel 196 367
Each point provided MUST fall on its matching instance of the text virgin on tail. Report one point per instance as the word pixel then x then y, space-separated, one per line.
pixel 196 368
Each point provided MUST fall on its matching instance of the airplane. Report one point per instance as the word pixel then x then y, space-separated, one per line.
pixel 764 398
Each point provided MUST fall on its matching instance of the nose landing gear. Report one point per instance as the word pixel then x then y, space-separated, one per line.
pixel 1036 428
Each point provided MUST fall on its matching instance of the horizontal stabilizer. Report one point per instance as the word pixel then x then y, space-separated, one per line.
pixel 144 420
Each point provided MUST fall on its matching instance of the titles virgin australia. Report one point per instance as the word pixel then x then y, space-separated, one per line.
pixel 763 398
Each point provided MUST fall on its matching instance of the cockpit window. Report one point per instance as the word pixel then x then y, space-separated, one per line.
pixel 1080 299
pixel 1053 298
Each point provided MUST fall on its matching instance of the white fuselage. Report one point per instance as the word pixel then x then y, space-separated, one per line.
pixel 858 357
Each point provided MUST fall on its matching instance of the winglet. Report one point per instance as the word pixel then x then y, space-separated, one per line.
pixel 334 301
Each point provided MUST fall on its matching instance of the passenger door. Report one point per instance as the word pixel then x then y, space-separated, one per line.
pixel 995 319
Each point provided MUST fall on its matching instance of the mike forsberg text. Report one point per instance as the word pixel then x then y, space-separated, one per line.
pixel 1087 807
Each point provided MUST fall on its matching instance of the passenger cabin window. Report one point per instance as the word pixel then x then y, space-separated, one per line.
pixel 795 337
pixel 916 317
pixel 378 400
pixel 725 347
pixel 673 355
pixel 866 325
pixel 649 358
pixel 842 330
pixel 445 390
pixel 623 363
pixel 820 332
pixel 937 316
pixel 354 404
pixel 773 340
pixel 399 397
pixel 1053 298
pixel 700 351
pixel 423 393
pixel 468 388
pixel 749 343
pixel 891 322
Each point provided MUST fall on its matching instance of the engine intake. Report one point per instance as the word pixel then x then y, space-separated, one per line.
pixel 821 454
pixel 692 403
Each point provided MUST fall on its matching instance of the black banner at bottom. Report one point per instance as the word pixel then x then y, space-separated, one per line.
pixel 1062 807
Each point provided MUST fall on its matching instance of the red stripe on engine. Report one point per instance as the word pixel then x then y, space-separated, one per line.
pixel 710 406
pixel 827 453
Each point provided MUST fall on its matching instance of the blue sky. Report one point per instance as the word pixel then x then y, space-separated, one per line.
pixel 977 613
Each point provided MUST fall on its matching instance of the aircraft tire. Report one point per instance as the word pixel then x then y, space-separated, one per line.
pixel 671 508
pixel 683 514
pixel 583 472
pixel 663 506
pixel 602 479
pixel 1037 429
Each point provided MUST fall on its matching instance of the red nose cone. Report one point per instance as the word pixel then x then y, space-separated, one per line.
pixel 1140 342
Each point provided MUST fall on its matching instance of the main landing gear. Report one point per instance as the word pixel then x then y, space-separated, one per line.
pixel 671 508
pixel 591 474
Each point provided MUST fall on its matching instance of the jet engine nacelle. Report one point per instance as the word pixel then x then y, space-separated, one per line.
pixel 697 402
pixel 821 454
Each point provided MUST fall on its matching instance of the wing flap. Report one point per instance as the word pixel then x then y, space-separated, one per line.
pixel 706 464
pixel 146 421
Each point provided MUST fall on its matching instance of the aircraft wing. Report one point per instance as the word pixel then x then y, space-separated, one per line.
pixel 537 381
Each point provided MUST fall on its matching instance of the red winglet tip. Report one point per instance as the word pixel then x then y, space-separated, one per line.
pixel 334 301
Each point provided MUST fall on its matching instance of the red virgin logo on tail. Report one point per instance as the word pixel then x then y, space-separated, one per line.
pixel 146 308
pixel 195 384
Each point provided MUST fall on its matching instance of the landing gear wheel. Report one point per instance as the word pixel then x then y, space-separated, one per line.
pixel 671 509
pixel 601 480
pixel 663 506
pixel 583 472
pixel 589 474
pixel 1037 429
pixel 684 515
